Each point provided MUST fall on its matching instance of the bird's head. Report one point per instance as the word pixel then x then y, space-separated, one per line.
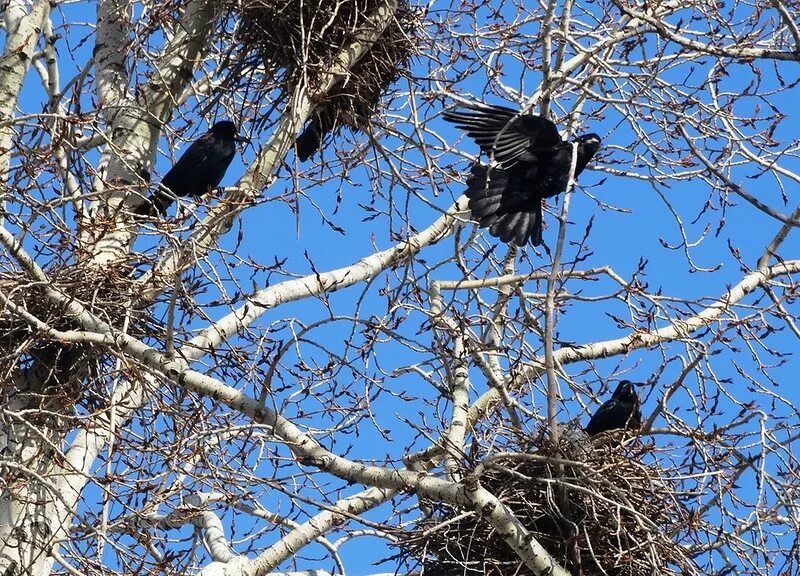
pixel 625 391
pixel 226 130
pixel 590 143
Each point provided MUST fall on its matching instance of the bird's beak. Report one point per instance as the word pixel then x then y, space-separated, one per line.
pixel 238 138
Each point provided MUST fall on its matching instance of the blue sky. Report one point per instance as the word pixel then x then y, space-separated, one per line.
pixel 638 227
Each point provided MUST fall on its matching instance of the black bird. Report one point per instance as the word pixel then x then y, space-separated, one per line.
pixel 621 411
pixel 198 170
pixel 530 162
pixel 310 139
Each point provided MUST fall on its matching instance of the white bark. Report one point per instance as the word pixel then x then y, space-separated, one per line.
pixel 132 149
pixel 48 521
pixel 300 536
pixel 38 506
pixel 134 125
pixel 24 526
pixel 730 51
pixel 259 176
pixel 315 284
pixel 193 513
pixel 508 527
pixel 459 386
pixel 311 452
pixel 36 514
pixel 261 172
pixel 304 446
pixel 677 329
pixel 22 32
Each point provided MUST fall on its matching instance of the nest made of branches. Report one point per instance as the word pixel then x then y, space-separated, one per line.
pixel 303 38
pixel 63 365
pixel 593 504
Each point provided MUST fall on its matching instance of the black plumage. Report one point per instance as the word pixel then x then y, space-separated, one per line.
pixel 319 125
pixel 621 411
pixel 199 169
pixel 529 162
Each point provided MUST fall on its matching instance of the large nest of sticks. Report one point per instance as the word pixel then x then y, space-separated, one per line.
pixel 594 505
pixel 64 366
pixel 302 39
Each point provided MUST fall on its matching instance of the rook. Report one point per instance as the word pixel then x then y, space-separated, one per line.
pixel 198 170
pixel 621 411
pixel 530 162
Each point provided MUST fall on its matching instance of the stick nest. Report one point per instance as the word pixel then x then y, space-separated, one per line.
pixel 66 366
pixel 302 39
pixel 594 505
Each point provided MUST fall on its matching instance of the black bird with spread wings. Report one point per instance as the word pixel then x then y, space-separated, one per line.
pixel 530 162
pixel 198 170
pixel 621 411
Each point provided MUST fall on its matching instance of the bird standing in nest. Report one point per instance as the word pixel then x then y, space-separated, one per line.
pixel 530 163
pixel 198 170
pixel 621 411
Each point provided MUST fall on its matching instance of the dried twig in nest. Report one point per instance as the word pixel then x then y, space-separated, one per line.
pixel 620 512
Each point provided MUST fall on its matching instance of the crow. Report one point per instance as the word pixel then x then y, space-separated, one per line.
pixel 530 162
pixel 621 411
pixel 322 121
pixel 198 170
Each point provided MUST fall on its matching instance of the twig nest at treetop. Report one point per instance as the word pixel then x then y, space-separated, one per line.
pixel 302 39
pixel 622 516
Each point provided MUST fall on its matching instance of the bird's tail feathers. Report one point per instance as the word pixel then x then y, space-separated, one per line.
pixel 156 205
pixel 497 208
pixel 308 142
pixel 314 133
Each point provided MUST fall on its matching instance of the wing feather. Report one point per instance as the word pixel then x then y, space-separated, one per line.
pixel 503 133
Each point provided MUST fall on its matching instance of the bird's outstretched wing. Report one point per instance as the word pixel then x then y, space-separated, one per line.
pixel 503 133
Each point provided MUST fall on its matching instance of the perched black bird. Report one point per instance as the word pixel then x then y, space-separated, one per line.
pixel 621 411
pixel 198 170
pixel 530 162
pixel 310 139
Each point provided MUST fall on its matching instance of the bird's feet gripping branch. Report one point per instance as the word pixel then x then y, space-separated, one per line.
pixel 528 162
